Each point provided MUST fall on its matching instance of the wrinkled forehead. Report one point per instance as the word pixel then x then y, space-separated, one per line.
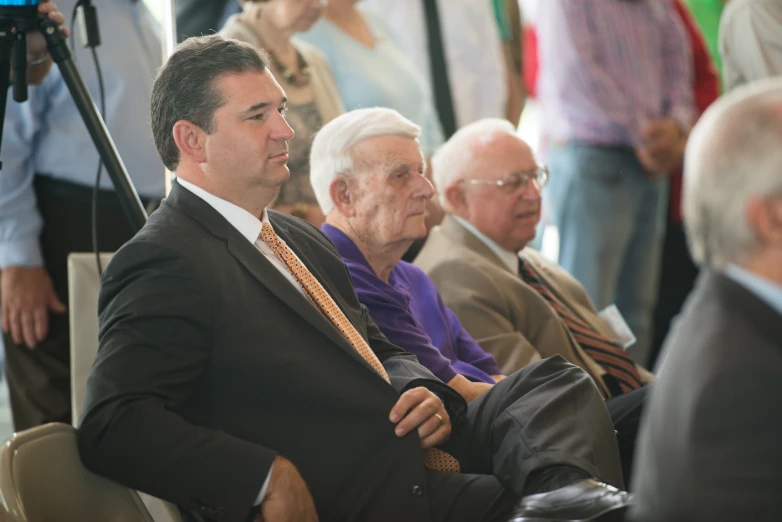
pixel 386 153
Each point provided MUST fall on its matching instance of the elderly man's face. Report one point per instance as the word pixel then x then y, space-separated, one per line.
pixel 389 190
pixel 509 217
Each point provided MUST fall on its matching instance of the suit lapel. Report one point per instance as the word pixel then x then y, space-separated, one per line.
pixel 256 264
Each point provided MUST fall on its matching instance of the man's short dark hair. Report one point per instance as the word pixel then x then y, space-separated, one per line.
pixel 185 86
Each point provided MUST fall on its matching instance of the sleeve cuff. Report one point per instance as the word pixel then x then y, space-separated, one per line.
pixel 26 252
pixel 262 493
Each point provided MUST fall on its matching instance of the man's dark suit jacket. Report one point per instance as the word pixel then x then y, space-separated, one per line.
pixel 711 442
pixel 210 363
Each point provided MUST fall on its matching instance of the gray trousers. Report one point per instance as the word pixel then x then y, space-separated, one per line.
pixel 546 414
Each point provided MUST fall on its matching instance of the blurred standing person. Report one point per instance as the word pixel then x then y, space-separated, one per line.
pixel 46 191
pixel 305 76
pixel 751 41
pixel 456 46
pixel 616 95
pixel 370 68
pixel 678 271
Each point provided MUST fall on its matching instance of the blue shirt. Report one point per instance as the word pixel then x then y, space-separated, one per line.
pixel 411 314
pixel 764 289
pixel 379 77
pixel 46 134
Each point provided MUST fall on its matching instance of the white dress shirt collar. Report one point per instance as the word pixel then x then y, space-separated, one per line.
pixel 763 288
pixel 508 258
pixel 247 224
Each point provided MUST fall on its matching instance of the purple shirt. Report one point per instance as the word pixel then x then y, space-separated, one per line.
pixel 411 313
pixel 609 67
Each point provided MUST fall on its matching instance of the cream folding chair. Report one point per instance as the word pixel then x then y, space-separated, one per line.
pixel 83 282
pixel 42 479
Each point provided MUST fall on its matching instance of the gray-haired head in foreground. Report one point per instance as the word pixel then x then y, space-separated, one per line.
pixel 185 86
pixel 734 153
pixel 454 160
pixel 331 155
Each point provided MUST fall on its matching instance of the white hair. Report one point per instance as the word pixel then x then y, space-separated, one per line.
pixel 331 155
pixel 734 153
pixel 454 160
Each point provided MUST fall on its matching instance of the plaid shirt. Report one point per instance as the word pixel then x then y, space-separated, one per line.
pixel 609 67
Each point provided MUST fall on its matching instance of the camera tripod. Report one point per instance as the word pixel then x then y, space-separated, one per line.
pixel 15 23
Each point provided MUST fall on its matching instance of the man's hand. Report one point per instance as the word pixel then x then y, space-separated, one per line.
pixel 36 44
pixel 498 377
pixel 288 498
pixel 468 389
pixel 27 296
pixel 663 147
pixel 422 410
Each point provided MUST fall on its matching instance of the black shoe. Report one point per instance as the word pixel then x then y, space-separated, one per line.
pixel 587 500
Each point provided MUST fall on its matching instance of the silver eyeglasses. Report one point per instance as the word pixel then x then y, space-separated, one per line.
pixel 512 182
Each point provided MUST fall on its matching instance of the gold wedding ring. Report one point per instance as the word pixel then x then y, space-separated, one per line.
pixel 439 417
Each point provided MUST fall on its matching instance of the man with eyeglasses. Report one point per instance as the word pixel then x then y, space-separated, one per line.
pixel 367 172
pixel 517 305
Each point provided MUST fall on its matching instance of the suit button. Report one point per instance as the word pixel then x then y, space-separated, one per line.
pixel 417 490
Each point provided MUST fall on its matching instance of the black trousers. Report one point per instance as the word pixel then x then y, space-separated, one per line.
pixel 626 411
pixel 677 279
pixel 39 380
pixel 546 414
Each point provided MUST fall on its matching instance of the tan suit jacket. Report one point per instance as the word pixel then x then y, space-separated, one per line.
pixel 506 316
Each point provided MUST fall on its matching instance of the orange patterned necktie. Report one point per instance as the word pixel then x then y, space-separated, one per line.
pixel 433 458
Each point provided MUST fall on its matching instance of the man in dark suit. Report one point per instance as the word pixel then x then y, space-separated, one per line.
pixel 237 372
pixel 709 449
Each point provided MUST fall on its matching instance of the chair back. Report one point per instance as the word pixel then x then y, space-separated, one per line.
pixel 83 285
pixel 42 479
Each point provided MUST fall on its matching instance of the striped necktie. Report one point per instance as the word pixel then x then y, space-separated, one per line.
pixel 608 354
pixel 434 458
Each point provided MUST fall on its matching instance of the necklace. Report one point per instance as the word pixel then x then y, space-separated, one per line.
pixel 296 80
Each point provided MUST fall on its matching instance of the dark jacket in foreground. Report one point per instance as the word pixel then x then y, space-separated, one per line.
pixel 211 363
pixel 711 441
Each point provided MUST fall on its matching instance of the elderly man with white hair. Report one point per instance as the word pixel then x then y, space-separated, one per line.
pixel 710 447
pixel 540 433
pixel 518 306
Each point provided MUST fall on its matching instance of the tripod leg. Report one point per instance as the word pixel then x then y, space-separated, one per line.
pixel 5 78
pixel 19 61
pixel 126 192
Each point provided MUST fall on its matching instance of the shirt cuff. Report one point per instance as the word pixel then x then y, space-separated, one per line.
pixel 265 486
pixel 446 373
pixel 25 252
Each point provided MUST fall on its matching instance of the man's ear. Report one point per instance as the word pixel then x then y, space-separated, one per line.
pixel 342 197
pixel 191 140
pixel 764 218
pixel 457 201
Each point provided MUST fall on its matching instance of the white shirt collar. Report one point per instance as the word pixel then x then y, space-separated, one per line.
pixel 763 288
pixel 509 258
pixel 247 224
